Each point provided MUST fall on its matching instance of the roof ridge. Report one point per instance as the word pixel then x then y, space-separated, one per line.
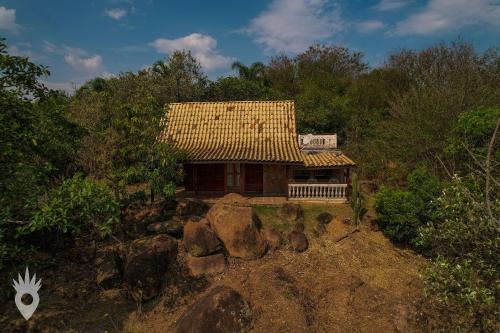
pixel 225 102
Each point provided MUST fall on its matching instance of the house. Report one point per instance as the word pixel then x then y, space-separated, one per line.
pixel 252 147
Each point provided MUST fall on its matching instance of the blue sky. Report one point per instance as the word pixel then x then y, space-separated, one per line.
pixel 80 40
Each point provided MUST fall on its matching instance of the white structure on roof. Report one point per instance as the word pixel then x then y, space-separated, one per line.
pixel 318 141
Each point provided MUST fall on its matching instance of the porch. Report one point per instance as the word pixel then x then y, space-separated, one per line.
pixel 291 182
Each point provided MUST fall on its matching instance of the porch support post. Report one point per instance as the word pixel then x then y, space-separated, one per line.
pixel 242 178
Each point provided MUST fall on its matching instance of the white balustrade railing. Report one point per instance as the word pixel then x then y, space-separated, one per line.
pixel 318 141
pixel 317 191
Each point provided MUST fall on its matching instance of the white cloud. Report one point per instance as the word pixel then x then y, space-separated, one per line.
pixel 446 15
pixel 203 48
pixel 293 25
pixel 115 13
pixel 8 20
pixel 384 5
pixel 49 47
pixel 81 60
pixel 369 26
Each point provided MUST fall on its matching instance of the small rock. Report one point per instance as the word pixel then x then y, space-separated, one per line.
pixel 298 241
pixel 319 229
pixel 108 270
pixel 299 226
pixel 169 205
pixel 82 254
pixel 200 239
pixel 324 218
pixel 172 227
pixel 206 265
pixel 191 207
pixel 147 262
pixel 289 211
pixel 273 237
pixel 221 310
pixel 347 221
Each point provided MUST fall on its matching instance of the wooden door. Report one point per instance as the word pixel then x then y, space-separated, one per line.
pixel 210 177
pixel 254 178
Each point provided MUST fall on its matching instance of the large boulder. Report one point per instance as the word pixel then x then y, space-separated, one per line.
pixel 191 207
pixel 172 227
pixel 289 211
pixel 273 238
pixel 298 241
pixel 147 262
pixel 234 198
pixel 238 228
pixel 221 310
pixel 200 239
pixel 215 263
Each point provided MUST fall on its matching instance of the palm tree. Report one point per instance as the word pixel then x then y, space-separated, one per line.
pixel 253 73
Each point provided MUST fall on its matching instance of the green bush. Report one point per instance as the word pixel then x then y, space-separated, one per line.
pixel 401 213
pixel 398 214
pixel 465 244
pixel 76 207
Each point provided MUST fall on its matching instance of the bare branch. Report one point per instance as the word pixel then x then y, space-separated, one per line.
pixel 488 172
pixel 479 164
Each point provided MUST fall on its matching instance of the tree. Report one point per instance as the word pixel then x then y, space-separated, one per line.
pixel 123 123
pixel 38 142
pixel 444 81
pixel 324 75
pixel 19 76
pixel 236 89
pixel 255 72
pixel 179 75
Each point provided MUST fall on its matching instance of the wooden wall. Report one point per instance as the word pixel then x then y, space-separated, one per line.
pixel 275 179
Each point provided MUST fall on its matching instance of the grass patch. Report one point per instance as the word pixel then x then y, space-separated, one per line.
pixel 270 219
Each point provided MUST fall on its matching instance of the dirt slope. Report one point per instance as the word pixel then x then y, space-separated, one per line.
pixel 359 284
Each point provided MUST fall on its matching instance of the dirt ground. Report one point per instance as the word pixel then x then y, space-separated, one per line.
pixel 359 283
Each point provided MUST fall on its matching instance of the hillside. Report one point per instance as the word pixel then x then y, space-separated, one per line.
pixel 360 283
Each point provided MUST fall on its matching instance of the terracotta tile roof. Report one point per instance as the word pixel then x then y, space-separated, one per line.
pixel 326 159
pixel 234 131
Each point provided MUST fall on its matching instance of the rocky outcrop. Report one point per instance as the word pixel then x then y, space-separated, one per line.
pixel 221 310
pixel 273 238
pixel 147 262
pixel 238 228
pixel 200 239
pixel 298 241
pixel 215 263
pixel 172 227
pixel 191 207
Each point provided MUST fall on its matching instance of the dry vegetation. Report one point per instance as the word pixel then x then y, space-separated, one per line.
pixel 361 283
